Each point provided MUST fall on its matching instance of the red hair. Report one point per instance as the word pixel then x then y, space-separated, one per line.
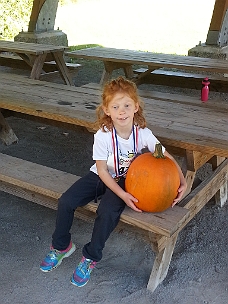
pixel 126 86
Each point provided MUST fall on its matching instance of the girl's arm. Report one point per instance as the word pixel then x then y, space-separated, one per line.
pixel 183 183
pixel 112 184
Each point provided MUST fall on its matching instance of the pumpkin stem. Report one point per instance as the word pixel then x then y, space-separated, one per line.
pixel 158 151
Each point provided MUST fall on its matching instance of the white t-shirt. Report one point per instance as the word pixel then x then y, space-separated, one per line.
pixel 103 149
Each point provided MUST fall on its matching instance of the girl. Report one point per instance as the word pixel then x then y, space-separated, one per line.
pixel 122 134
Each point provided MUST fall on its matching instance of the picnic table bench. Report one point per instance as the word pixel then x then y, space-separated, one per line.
pixel 163 69
pixel 173 119
pixel 35 55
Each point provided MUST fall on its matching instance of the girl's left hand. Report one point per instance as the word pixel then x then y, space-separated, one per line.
pixel 180 194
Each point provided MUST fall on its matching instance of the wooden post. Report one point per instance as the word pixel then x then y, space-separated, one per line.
pixel 37 5
pixel 219 12
pixel 161 264
pixel 222 195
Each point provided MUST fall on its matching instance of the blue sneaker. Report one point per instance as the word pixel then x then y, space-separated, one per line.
pixel 81 274
pixel 55 257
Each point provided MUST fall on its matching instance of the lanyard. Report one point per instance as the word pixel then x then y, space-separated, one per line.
pixel 116 149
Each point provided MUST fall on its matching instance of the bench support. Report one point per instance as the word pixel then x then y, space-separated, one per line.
pixel 221 195
pixel 161 264
pixel 6 133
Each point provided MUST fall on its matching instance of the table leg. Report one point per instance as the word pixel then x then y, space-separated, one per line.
pixel 63 70
pixel 38 66
pixel 221 195
pixel 109 67
pixel 30 60
pixel 6 133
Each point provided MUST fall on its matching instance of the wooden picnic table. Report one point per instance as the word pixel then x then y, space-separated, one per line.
pixel 195 131
pixel 35 55
pixel 121 58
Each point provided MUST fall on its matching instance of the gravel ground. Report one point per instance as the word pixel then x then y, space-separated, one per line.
pixel 199 268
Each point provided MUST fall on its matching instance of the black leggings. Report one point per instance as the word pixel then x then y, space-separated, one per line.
pixel 109 210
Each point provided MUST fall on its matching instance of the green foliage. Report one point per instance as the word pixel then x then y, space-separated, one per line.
pixel 15 15
pixel 83 46
pixel 65 2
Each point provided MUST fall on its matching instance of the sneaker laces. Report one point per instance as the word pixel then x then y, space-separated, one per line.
pixel 86 265
pixel 53 253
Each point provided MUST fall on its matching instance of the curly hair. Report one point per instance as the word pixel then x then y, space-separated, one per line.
pixel 124 85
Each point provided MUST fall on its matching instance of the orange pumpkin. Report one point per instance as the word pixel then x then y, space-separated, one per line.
pixel 154 180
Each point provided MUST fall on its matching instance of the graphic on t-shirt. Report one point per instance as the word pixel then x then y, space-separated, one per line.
pixel 125 161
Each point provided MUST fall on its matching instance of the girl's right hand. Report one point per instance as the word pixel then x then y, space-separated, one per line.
pixel 130 200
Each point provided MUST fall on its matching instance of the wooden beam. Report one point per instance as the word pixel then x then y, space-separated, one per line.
pixel 219 11
pixel 37 5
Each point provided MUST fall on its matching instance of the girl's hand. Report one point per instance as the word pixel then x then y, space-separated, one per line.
pixel 130 200
pixel 181 191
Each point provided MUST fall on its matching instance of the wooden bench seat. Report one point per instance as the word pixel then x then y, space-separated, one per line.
pixel 51 183
pixel 183 79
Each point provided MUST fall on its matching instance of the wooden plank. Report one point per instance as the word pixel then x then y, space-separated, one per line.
pixel 175 124
pixel 164 223
pixel 28 48
pixel 149 101
pixel 35 178
pixel 159 105
pixel 32 178
pixel 182 122
pixel 218 104
pixel 152 59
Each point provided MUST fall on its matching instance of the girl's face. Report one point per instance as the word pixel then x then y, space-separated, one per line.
pixel 121 109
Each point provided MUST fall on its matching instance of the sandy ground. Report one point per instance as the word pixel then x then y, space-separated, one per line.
pixel 199 268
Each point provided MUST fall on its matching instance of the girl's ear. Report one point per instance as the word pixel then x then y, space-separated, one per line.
pixel 136 107
pixel 106 111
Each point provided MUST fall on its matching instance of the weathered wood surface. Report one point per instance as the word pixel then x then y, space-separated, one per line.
pixel 195 126
pixel 51 183
pixel 178 98
pixel 29 48
pixel 152 60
